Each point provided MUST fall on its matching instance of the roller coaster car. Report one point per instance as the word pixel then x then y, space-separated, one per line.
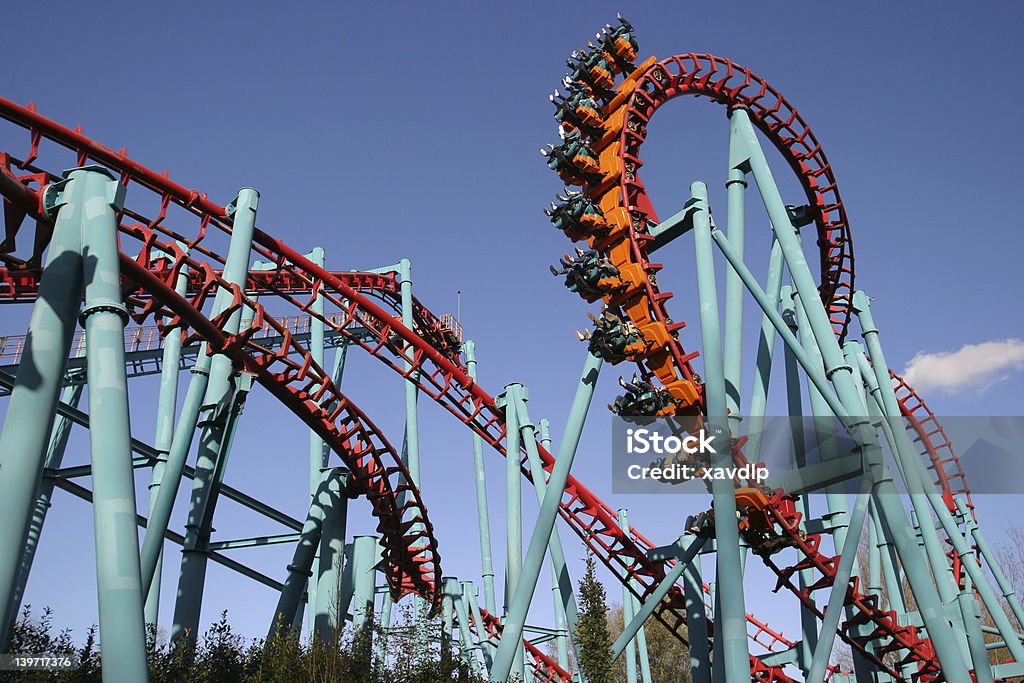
pixel 614 338
pixel 587 274
pixel 578 111
pixel 752 502
pixel 573 160
pixel 577 216
pixel 620 43
pixel 642 398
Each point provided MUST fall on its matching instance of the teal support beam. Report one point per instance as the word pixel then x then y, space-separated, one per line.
pixel 31 409
pixel 366 555
pixel 486 647
pixel 730 623
pixel 512 634
pixel 467 649
pixel 118 577
pixel 565 609
pixel 380 643
pixel 689 546
pixel 333 484
pixel 992 562
pixel 628 610
pixel 222 404
pixel 844 572
pixel 317 453
pixel 480 478
pixel 735 187
pixel 328 618
pixel 765 355
pixel 167 404
pixel 557 593
pixel 447 619
pixel 54 456
pixel 513 506
pixel 932 611
pixel 696 621
pixel 412 443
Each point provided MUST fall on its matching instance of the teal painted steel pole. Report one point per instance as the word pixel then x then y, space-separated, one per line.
pixel 765 355
pixel 487 646
pixel 565 608
pixel 447 619
pixel 628 610
pixel 221 405
pixel 932 612
pixel 118 578
pixel 512 634
pixel 54 456
pixel 696 621
pixel 735 187
pixel 730 623
pixel 690 546
pixel 365 558
pixel 167 403
pixel 480 478
pixel 464 607
pixel 31 409
pixel 333 484
pixel 328 619
pixel 560 608
pixel 513 506
pixel 317 455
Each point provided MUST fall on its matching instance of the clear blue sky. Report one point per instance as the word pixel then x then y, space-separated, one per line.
pixel 419 124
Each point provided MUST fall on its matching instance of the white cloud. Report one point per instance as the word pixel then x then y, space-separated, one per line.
pixel 974 366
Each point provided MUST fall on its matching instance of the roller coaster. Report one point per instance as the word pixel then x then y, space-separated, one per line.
pixel 163 279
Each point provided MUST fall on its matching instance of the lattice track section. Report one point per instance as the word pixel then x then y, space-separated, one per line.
pixel 544 669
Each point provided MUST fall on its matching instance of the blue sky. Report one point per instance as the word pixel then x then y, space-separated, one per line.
pixel 419 124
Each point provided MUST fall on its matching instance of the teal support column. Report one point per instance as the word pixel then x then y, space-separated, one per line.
pixel 513 505
pixel 31 409
pixel 118 577
pixel 565 608
pixel 483 517
pixel 317 453
pixel 447 619
pixel 932 611
pixel 735 187
pixel 472 608
pixel 332 487
pixel 689 546
pixel 627 611
pixel 730 623
pixel 366 556
pixel 696 621
pixel 221 407
pixel 328 617
pixel 380 643
pixel 512 634
pixel 467 649
pixel 167 404
pixel 412 442
pixel 54 456
pixel 765 355
pixel 560 606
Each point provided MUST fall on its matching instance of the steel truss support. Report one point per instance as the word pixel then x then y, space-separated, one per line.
pixel 848 397
pixel 512 634
pixel 630 605
pixel 222 405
